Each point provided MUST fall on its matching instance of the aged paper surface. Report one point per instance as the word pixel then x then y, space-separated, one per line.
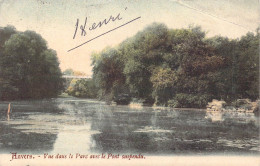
pixel 129 82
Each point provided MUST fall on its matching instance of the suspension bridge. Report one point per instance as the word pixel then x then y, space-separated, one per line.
pixel 76 77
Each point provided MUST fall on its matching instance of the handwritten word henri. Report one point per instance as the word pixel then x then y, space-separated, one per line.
pixel 82 29
pixel 94 25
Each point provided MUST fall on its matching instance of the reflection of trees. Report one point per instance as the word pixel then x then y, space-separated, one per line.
pixel 74 139
pixel 15 140
pixel 234 117
pixel 216 116
pixel 124 129
pixel 117 126
pixel 103 128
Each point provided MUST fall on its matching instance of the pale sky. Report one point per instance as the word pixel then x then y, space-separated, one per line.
pixel 55 21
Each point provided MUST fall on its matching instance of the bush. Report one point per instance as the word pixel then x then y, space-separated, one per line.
pixel 182 100
pixel 82 88
pixel 122 99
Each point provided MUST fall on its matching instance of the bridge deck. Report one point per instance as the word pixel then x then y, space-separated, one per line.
pixel 78 77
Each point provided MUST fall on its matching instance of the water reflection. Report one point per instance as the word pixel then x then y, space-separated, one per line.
pixel 70 125
pixel 238 117
pixel 74 139
pixel 214 116
pixel 8 117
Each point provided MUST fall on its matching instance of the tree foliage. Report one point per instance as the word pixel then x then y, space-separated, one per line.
pixel 179 67
pixel 28 69
pixel 82 88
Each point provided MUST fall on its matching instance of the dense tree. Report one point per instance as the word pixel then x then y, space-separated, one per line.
pixel 68 72
pixel 142 54
pixel 180 67
pixel 248 66
pixel 108 74
pixel 28 68
pixel 82 88
pixel 239 77
pixel 164 84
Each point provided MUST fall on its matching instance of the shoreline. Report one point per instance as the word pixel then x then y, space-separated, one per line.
pixel 133 105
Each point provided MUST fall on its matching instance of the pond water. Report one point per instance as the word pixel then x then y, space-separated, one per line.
pixel 71 125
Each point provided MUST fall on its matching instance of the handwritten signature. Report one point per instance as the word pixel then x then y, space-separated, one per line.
pixel 94 25
pixel 83 28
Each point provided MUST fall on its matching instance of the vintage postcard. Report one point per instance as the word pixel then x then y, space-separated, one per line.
pixel 129 82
